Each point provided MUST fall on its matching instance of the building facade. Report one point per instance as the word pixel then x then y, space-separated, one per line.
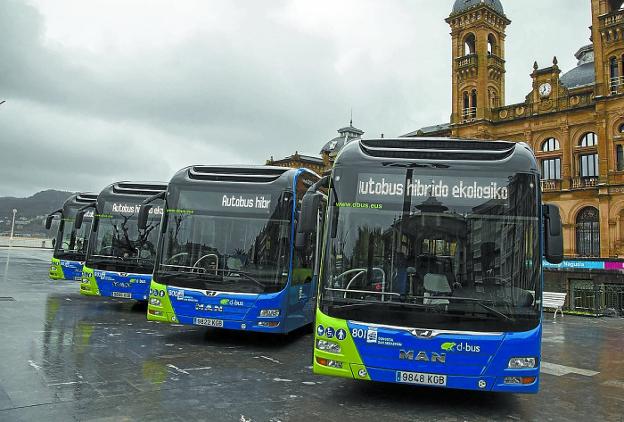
pixel 299 161
pixel 573 120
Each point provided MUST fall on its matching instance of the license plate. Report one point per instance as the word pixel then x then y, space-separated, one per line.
pixel 122 294
pixel 208 322
pixel 421 378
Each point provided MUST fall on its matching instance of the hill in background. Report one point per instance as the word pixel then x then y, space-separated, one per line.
pixel 30 212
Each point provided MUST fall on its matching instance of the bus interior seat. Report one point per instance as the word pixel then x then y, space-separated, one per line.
pixel 436 285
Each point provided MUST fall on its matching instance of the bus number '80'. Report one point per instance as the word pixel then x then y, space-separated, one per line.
pixel 358 333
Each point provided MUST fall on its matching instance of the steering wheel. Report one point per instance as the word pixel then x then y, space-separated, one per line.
pixel 358 272
pixel 212 266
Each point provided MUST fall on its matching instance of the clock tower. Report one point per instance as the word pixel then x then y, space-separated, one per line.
pixel 478 38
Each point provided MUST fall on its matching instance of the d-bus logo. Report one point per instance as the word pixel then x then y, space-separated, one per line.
pixel 460 347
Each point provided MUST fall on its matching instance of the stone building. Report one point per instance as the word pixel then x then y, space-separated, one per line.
pixel 574 121
pixel 299 160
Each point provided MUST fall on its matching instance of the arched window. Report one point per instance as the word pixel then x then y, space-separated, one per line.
pixel 550 145
pixel 470 45
pixel 588 232
pixel 492 45
pixel 590 139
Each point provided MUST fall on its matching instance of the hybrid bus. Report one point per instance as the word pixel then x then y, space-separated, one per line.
pixel 120 256
pixel 227 255
pixel 431 267
pixel 70 245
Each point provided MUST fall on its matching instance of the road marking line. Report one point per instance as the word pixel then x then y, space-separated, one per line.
pixel 175 368
pixel 559 370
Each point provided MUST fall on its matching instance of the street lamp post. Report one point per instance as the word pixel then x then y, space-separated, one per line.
pixel 12 227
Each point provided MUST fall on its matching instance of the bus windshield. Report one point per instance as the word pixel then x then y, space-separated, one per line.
pixel 118 240
pixel 226 240
pixel 72 243
pixel 413 247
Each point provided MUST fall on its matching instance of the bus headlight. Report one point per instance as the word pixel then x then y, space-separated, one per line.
pixel 522 363
pixel 327 346
pixel 269 313
pixel 154 301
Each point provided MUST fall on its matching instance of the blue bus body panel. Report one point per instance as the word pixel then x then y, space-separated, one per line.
pixel 238 311
pixel 469 359
pixel 72 270
pixel 124 285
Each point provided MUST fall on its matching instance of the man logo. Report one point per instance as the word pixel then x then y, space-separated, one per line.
pixel 422 356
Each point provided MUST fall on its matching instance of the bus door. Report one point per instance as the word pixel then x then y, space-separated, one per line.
pixel 302 287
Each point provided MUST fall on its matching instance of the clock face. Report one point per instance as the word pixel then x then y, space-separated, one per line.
pixel 545 89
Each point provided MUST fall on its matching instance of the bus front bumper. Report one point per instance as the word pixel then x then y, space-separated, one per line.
pixel 330 365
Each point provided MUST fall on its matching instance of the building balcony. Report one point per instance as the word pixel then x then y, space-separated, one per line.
pixel 584 182
pixel 551 185
pixel 495 61
pixel 574 183
pixel 612 20
pixel 612 26
pixel 471 60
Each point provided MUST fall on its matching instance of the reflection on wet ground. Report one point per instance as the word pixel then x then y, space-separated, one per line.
pixel 68 357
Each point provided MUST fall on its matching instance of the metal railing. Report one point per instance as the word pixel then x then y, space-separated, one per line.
pixel 584 182
pixel 551 185
pixel 597 299
pixel 467 61
pixel 469 114
pixel 617 85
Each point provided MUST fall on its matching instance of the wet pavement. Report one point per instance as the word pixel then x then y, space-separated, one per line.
pixel 67 357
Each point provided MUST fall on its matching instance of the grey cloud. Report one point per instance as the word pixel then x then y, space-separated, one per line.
pixel 80 120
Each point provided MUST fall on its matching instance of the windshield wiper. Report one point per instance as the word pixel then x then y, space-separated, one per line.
pixel 477 302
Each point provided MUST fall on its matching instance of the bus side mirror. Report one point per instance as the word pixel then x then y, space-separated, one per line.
pixel 553 234
pixel 50 218
pixel 308 219
pixel 79 219
pixel 144 216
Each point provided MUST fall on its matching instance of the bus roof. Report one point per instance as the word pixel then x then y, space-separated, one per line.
pixel 514 156
pixel 247 174
pixel 80 199
pixel 134 189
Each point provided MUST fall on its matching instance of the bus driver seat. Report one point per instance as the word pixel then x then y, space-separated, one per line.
pixel 436 285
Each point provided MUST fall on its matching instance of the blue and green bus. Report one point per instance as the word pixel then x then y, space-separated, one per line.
pixel 120 255
pixel 431 268
pixel 70 244
pixel 227 255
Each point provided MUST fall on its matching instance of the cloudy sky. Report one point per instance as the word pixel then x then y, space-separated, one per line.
pixel 104 90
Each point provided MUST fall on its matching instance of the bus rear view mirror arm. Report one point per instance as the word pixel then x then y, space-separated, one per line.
pixel 50 217
pixel 145 209
pixel 80 215
pixel 553 234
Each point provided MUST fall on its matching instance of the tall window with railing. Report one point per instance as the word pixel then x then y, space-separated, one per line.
pixel 614 75
pixel 469 111
pixel 551 165
pixel 588 160
pixel 588 232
